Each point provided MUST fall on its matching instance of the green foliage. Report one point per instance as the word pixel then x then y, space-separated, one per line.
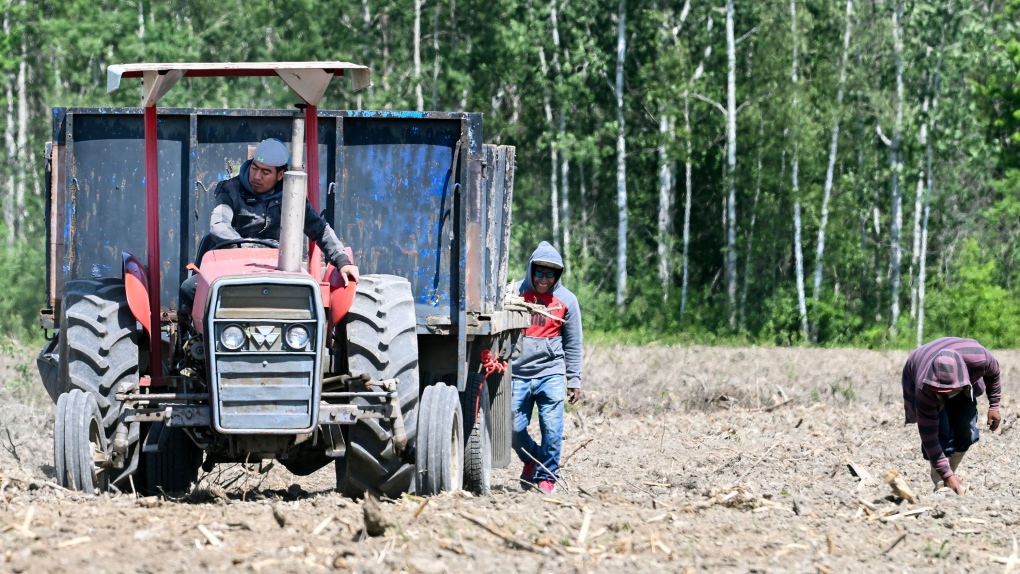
pixel 24 268
pixel 543 75
pixel 973 304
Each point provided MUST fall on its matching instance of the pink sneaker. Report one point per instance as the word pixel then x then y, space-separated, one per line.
pixel 546 486
pixel 528 473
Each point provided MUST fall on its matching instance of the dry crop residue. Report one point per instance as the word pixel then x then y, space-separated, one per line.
pixel 679 459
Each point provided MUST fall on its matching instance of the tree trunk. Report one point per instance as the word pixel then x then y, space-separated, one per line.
pixel 435 56
pixel 896 164
pixel 141 31
pixel 565 199
pixel 798 252
pixel 731 162
pixel 687 203
pixel 23 167
pixel 750 231
pixel 665 209
pixel 584 214
pixel 419 99
pixel 918 200
pixel 12 151
pixel 621 165
pixel 820 251
pixel 554 203
pixel 10 145
pixel 562 138
pixel 928 191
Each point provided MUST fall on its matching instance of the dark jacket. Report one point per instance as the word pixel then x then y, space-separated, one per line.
pixel 550 347
pixel 241 213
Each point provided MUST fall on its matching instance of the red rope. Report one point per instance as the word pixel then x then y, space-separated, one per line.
pixel 491 365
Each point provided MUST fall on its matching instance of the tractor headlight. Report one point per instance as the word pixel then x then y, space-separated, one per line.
pixel 232 337
pixel 297 337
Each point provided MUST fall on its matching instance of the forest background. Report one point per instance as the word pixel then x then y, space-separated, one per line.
pixel 776 172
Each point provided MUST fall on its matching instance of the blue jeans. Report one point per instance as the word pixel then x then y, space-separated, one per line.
pixel 958 425
pixel 548 393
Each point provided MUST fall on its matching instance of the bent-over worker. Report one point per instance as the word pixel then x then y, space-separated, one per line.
pixel 941 382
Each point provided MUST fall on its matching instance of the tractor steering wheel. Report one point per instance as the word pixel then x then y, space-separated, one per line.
pixel 270 243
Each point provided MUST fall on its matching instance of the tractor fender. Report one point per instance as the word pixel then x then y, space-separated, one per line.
pixel 136 285
pixel 341 298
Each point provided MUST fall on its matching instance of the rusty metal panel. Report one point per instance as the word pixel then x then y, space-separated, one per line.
pixel 498 190
pixel 55 224
pixel 505 196
pixel 476 221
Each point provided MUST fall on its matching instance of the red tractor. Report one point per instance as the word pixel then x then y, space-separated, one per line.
pixel 385 377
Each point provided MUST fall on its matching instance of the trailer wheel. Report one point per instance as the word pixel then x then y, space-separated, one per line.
pixel 98 349
pixel 174 467
pixel 80 443
pixel 477 412
pixel 382 342
pixel 440 450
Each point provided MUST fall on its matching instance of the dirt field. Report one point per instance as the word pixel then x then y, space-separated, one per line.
pixel 679 459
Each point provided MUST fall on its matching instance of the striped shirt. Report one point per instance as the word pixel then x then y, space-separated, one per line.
pixel 922 404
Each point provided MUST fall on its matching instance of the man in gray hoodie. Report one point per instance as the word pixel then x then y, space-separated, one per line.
pixel 548 369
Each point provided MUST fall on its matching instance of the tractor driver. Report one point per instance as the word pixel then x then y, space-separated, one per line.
pixel 248 206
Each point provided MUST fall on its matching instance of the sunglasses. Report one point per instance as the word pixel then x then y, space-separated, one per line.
pixel 544 274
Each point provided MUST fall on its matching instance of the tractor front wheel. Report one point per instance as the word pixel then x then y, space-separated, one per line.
pixel 79 443
pixel 440 449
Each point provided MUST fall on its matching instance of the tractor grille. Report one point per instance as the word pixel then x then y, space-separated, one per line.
pixel 267 392
pixel 265 385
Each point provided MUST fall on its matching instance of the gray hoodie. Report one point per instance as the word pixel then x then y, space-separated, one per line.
pixel 549 346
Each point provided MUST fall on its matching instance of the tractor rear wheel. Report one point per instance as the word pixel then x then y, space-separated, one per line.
pixel 440 448
pixel 477 412
pixel 382 342
pixel 79 443
pixel 97 354
pixel 98 349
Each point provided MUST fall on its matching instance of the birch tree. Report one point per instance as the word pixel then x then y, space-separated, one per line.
pixel 665 204
pixel 797 249
pixel 9 202
pixel 621 164
pixel 896 166
pixel 554 202
pixel 564 207
pixel 419 98
pixel 22 166
pixel 833 146
pixel 731 163
pixel 928 146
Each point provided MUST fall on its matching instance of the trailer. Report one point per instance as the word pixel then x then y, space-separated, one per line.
pixel 401 380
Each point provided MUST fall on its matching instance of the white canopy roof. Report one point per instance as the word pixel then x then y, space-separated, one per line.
pixel 308 79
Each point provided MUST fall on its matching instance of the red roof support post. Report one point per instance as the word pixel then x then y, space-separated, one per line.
pixel 312 168
pixel 152 228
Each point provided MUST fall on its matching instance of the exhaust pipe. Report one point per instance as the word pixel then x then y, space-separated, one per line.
pixel 297 145
pixel 293 208
pixel 292 221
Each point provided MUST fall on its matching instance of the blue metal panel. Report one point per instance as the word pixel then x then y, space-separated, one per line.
pixel 395 200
